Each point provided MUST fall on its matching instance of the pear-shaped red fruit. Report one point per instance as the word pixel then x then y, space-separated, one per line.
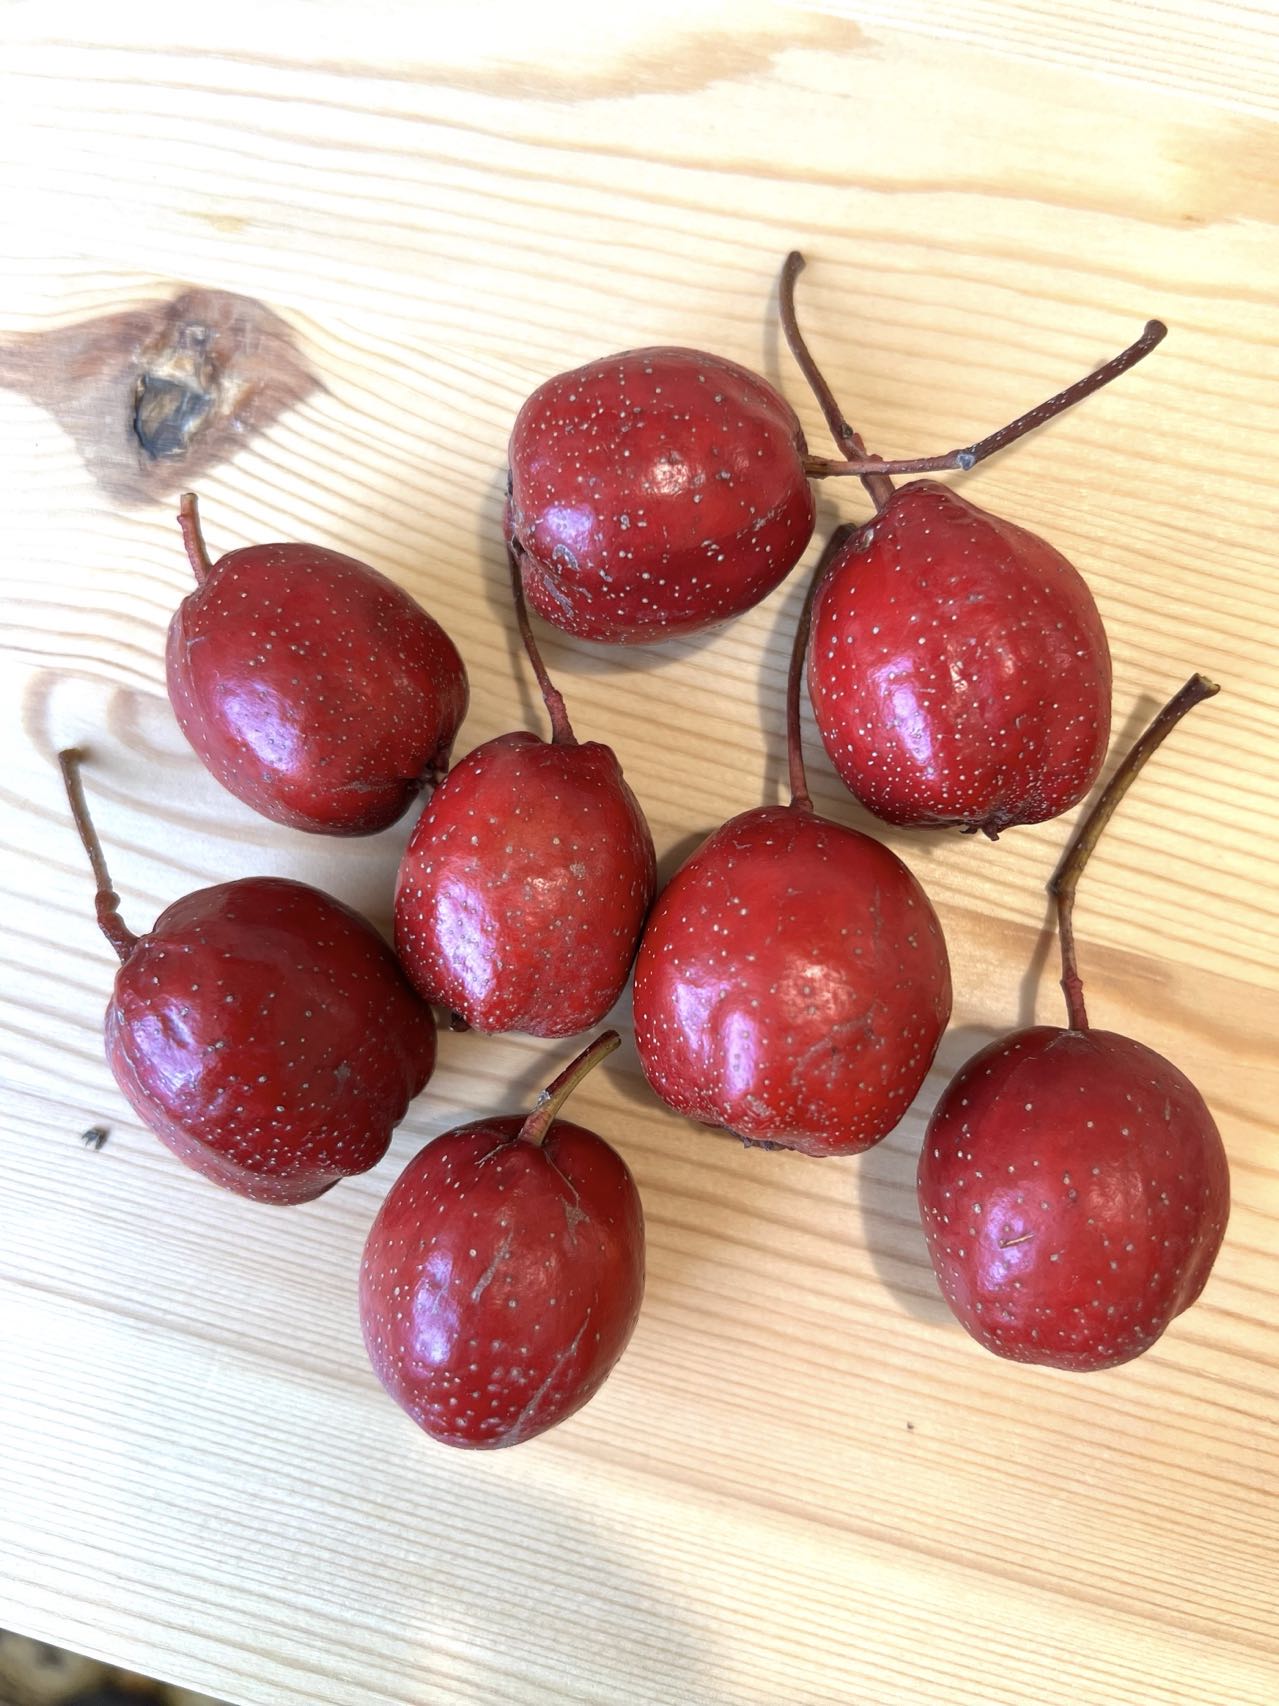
pixel 260 1029
pixel 1073 1185
pixel 503 1275
pixel 792 984
pixel 314 689
pixel 959 671
pixel 527 879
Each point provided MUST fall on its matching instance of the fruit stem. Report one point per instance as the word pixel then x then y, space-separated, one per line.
pixel 878 486
pixel 558 1091
pixel 1154 334
pixel 1065 879
pixel 561 729
pixel 799 794
pixel 818 468
pixel 110 922
pixel 192 537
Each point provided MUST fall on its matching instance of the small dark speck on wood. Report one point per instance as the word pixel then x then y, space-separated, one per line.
pixel 95 1137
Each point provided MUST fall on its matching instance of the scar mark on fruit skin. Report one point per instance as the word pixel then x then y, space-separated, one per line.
pixel 831 1046
pixel 515 1432
pixel 555 592
pixel 486 1278
pixel 574 1215
pixel 1008 1243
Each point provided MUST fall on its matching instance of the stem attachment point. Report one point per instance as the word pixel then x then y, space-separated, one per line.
pixel 558 1091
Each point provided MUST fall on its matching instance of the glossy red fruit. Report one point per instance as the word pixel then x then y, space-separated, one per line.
pixel 1075 1192
pixel 959 671
pixel 314 688
pixel 656 492
pixel 792 984
pixel 1073 1185
pixel 262 1030
pixel 526 881
pixel 503 1276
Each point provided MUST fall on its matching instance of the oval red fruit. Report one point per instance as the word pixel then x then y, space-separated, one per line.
pixel 656 492
pixel 266 1034
pixel 1074 1191
pixel 524 887
pixel 315 689
pixel 502 1280
pixel 792 984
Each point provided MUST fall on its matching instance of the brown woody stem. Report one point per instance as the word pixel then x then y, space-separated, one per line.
pixel 192 537
pixel 558 1091
pixel 873 471
pixel 561 729
pixel 878 486
pixel 1154 334
pixel 799 794
pixel 818 467
pixel 110 922
pixel 1066 877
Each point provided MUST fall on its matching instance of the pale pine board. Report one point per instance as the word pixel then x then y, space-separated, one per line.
pixel 803 1484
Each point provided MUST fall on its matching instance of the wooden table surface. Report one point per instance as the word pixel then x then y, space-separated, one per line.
pixel 804 1483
